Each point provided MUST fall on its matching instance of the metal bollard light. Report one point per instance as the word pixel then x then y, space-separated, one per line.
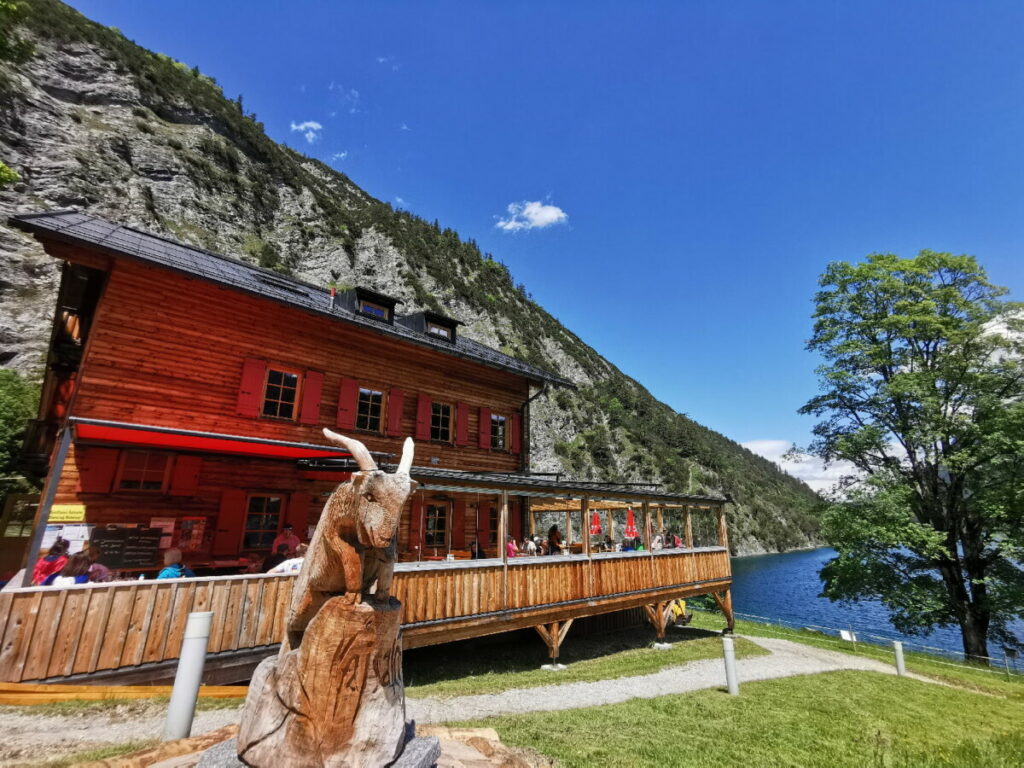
pixel 189 676
pixel 731 679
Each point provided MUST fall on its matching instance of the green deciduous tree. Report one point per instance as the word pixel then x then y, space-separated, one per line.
pixel 923 391
pixel 18 400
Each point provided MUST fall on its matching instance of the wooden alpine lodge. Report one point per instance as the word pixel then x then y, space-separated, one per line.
pixel 183 403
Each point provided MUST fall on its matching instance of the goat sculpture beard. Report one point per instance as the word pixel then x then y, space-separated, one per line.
pixel 334 696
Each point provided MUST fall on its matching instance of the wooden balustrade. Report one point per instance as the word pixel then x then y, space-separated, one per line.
pixel 51 633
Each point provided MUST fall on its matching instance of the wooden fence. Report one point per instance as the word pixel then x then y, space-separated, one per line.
pixel 51 633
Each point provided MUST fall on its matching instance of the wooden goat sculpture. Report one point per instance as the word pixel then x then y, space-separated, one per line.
pixel 334 697
pixel 354 544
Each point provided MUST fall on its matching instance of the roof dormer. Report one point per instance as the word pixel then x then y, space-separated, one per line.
pixel 367 303
pixel 432 324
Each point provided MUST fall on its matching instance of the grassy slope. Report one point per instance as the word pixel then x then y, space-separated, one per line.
pixel 616 416
pixel 455 670
pixel 817 721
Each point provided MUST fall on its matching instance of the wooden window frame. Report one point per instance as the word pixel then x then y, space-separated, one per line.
pixel 451 422
pixel 493 521
pixel 165 482
pixel 439 330
pixel 447 507
pixel 296 405
pixel 504 432
pixel 245 519
pixel 382 417
pixel 373 305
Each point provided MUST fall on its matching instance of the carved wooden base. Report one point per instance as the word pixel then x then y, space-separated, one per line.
pixel 338 700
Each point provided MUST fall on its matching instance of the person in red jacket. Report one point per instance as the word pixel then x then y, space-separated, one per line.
pixel 51 563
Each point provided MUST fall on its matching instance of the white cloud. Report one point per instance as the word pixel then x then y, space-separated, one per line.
pixel 810 469
pixel 404 127
pixel 347 97
pixel 531 214
pixel 400 201
pixel 310 129
pixel 339 156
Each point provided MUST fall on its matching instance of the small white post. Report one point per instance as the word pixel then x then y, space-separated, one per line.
pixel 901 668
pixel 731 679
pixel 182 708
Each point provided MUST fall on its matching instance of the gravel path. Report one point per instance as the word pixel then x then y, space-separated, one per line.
pixel 786 660
pixel 28 739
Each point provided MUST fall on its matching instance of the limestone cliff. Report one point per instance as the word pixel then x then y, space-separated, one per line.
pixel 95 122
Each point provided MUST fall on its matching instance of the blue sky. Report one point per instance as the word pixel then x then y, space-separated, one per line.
pixel 698 162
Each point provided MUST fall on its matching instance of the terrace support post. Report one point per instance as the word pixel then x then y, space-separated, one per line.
pixel 532 516
pixel 723 530
pixel 646 535
pixel 502 535
pixel 568 527
pixel 585 525
pixel 658 614
pixel 724 601
pixel 688 527
pixel 45 504
pixel 553 634
pixel 611 523
pixel 661 519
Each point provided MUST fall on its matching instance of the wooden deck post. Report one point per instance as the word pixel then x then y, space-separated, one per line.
pixel 724 601
pixel 553 634
pixel 723 530
pixel 688 527
pixel 611 524
pixel 646 535
pixel 568 526
pixel 661 519
pixel 658 615
pixel 532 516
pixel 45 504
pixel 585 529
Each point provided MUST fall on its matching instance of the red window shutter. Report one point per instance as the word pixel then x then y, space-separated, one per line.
pixel 312 390
pixel 515 521
pixel 250 393
pixel 461 424
pixel 423 417
pixel 459 524
pixel 396 406
pixel 515 430
pixel 185 475
pixel 298 513
pixel 348 399
pixel 228 538
pixel 96 469
pixel 485 428
pixel 416 524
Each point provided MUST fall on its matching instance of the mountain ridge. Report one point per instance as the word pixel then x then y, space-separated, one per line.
pixel 96 122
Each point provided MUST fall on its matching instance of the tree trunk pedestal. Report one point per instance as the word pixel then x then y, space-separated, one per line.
pixel 337 700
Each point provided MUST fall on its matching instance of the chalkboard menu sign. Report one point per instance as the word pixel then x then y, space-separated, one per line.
pixel 128 547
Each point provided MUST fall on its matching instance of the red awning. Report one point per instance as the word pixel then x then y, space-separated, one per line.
pixel 206 442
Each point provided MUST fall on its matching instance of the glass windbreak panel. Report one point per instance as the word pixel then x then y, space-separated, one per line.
pixel 262 521
pixel 281 394
pixel 705 527
pixel 143 471
pixel 497 432
pixel 369 409
pixel 437 525
pixel 441 422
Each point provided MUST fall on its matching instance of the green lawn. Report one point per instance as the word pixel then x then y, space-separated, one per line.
pixel 988 680
pixel 461 669
pixel 817 721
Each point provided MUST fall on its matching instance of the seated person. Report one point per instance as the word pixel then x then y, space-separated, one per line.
pixel 75 571
pixel 476 552
pixel 292 565
pixel 98 572
pixel 173 568
pixel 286 536
pixel 274 559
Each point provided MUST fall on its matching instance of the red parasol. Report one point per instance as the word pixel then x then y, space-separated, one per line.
pixel 631 532
pixel 595 524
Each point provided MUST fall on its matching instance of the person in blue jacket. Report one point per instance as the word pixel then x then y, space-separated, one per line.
pixel 173 568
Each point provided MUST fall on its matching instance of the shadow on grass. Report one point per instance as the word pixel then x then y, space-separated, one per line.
pixel 524 651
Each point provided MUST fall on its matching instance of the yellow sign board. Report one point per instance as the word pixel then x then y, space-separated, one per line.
pixel 67 513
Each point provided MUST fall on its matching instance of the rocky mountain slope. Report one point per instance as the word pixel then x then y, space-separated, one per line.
pixel 95 122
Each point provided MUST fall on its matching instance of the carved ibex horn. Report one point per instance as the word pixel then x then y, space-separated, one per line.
pixel 406 463
pixel 362 456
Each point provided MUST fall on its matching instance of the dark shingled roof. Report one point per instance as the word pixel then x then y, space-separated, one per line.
pixel 82 229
